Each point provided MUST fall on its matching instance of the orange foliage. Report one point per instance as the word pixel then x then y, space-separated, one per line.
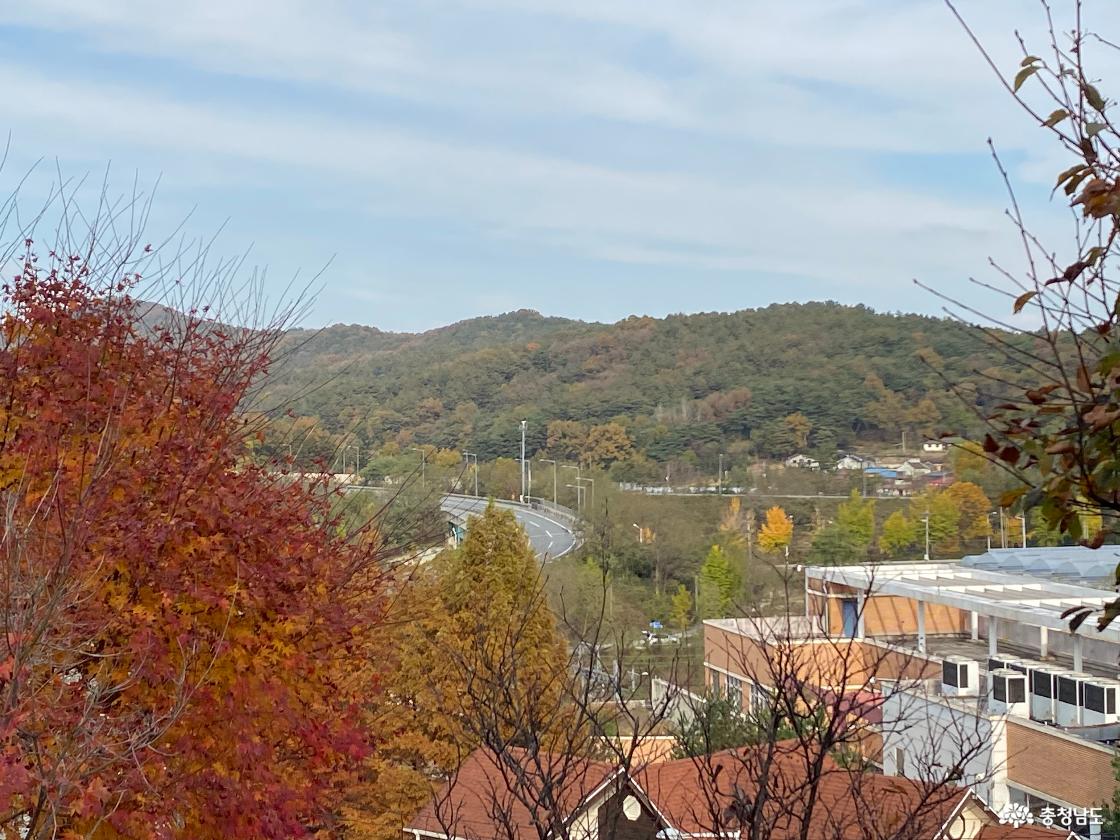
pixel 177 622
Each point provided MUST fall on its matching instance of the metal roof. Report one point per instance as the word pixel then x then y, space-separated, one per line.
pixel 1096 567
pixel 1014 597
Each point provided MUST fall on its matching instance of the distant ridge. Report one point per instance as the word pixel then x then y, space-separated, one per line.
pixel 684 385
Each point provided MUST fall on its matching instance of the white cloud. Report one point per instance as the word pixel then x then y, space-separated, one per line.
pixel 812 91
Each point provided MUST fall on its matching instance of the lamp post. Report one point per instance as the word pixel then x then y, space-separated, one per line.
pixel 468 456
pixel 989 517
pixel 524 423
pixel 592 482
pixel 719 478
pixel 576 468
pixel 554 471
pixel 579 488
pixel 423 464
pixel 925 519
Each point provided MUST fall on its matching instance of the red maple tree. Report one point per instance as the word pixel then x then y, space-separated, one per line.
pixel 177 624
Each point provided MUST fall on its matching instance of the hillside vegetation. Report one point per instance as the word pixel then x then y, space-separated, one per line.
pixel 640 393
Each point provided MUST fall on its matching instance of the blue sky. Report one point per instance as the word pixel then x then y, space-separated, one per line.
pixel 586 158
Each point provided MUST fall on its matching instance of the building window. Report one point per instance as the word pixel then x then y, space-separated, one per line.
pixel 760 698
pixel 735 691
pixel 714 680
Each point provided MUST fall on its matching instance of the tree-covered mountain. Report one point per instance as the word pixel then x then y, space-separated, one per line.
pixel 764 382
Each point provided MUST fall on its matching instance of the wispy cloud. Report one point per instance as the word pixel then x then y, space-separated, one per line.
pixel 805 140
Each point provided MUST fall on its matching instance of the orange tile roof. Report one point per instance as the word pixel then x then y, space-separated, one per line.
pixel 1023 832
pixel 489 797
pixel 701 796
pixel 707 796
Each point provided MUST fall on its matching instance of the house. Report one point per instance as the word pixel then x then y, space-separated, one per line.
pixel 938 478
pixel 851 461
pixel 523 796
pixel 935 447
pixel 803 462
pixel 911 468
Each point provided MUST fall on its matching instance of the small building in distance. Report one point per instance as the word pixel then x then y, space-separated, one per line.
pixel 851 461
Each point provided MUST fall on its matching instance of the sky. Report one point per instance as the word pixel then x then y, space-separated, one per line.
pixel 434 160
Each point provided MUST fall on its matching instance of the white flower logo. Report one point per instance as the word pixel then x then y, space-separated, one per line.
pixel 1016 814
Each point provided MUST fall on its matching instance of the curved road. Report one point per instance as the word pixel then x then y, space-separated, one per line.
pixel 550 538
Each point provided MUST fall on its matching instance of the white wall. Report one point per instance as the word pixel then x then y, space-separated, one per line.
pixel 935 736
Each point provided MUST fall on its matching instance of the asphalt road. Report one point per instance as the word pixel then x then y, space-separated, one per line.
pixel 549 537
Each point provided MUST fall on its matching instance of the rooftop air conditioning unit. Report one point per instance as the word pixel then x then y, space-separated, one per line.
pixel 960 677
pixel 995 663
pixel 1044 692
pixel 1098 701
pixel 1008 693
pixel 1067 711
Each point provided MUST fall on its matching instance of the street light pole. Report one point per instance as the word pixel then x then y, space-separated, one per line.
pixel 579 488
pixel 926 520
pixel 423 464
pixel 554 470
pixel 468 456
pixel 576 468
pixel 524 423
pixel 592 481
pixel 719 478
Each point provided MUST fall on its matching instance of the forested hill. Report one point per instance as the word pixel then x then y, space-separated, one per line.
pixel 788 377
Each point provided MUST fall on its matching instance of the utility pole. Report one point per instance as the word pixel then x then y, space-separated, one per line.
pixel 524 423
pixel 468 456
pixel 989 517
pixel 1002 530
pixel 719 478
pixel 554 471
pixel 1023 520
pixel 423 464
pixel 926 520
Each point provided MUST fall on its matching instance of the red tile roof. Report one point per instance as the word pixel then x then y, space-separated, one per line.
pixel 489 797
pixel 703 796
pixel 695 796
pixel 1023 832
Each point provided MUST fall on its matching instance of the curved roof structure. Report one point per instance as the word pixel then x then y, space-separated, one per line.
pixel 1074 564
